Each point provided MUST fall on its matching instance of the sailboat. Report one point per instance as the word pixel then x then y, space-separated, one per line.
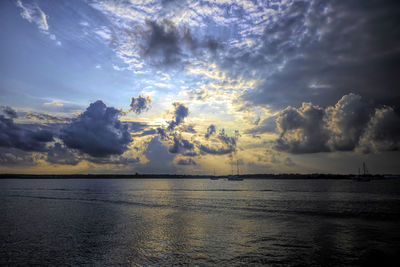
pixel 365 177
pixel 235 177
pixel 214 177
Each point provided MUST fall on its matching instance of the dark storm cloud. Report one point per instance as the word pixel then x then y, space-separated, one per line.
pixel 210 131
pixel 165 44
pixel 19 136
pixel 186 162
pixel 140 104
pixel 349 125
pixel 193 44
pixel 9 112
pixel 162 43
pixel 321 50
pixel 227 144
pixel 180 145
pixel 97 132
pixel 216 150
pixel 58 154
pixel 180 113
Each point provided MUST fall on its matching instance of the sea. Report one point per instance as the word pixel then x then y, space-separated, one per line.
pixel 199 222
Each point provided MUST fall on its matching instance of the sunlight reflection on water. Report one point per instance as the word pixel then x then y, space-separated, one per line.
pixel 198 222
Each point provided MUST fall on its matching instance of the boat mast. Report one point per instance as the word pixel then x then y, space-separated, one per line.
pixel 232 165
pixel 237 167
pixel 364 168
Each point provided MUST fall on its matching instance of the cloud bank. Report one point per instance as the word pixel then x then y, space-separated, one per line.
pixel 97 132
pixel 349 125
pixel 21 137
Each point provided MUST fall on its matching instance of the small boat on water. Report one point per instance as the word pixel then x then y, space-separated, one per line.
pixel 234 178
pixel 237 176
pixel 365 177
pixel 214 177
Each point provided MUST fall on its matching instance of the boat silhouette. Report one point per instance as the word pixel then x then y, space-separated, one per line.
pixel 365 177
pixel 237 176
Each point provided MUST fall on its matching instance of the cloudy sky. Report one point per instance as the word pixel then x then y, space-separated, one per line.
pixel 101 86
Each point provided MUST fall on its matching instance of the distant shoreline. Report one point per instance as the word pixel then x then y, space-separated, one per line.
pixel 178 176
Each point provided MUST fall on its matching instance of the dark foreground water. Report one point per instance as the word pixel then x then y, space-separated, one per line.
pixel 199 222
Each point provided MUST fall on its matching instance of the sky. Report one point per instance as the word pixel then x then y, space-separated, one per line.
pixel 197 87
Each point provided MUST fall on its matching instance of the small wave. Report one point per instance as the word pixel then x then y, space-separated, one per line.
pixel 291 246
pixel 327 214
pixel 216 190
pixel 93 200
pixel 246 211
pixel 91 191
pixel 38 189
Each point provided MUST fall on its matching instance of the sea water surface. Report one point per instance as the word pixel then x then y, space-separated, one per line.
pixel 164 222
